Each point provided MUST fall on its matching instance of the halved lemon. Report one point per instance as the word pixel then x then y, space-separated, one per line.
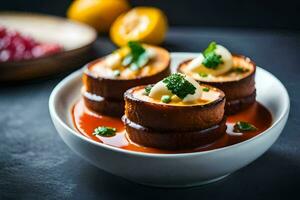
pixel 143 24
pixel 99 14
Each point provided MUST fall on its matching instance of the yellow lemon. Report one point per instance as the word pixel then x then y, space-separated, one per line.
pixel 99 14
pixel 143 24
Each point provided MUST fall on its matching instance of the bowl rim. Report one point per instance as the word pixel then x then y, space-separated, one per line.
pixel 58 18
pixel 74 75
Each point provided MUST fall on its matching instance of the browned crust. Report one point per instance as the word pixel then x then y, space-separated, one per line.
pixel 235 89
pixel 115 88
pixel 234 106
pixel 173 140
pixel 103 106
pixel 166 117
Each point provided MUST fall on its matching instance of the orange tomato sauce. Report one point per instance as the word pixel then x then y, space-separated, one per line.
pixel 86 121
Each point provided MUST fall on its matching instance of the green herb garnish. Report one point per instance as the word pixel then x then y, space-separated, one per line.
pixel 241 126
pixel 211 59
pixel 240 70
pixel 210 49
pixel 202 74
pixel 105 131
pixel 147 90
pixel 178 85
pixel 137 58
pixel 116 73
pixel 205 89
pixel 136 49
pixel 165 99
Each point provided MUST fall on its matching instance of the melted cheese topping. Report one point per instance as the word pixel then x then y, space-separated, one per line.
pixel 231 75
pixel 114 60
pixel 160 89
pixel 107 67
pixel 198 92
pixel 206 97
pixel 196 64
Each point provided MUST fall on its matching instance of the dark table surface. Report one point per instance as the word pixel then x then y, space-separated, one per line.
pixel 36 164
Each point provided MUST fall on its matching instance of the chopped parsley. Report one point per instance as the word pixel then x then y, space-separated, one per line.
pixel 116 73
pixel 178 85
pixel 211 59
pixel 136 49
pixel 211 48
pixel 205 89
pixel 105 131
pixel 137 58
pixel 147 90
pixel 166 99
pixel 202 74
pixel 241 126
pixel 240 70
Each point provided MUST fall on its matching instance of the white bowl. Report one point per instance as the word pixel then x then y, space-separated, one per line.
pixel 171 170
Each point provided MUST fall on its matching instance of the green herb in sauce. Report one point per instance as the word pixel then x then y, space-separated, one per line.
pixel 105 131
pixel 241 126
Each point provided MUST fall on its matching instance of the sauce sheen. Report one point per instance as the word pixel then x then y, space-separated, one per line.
pixel 86 121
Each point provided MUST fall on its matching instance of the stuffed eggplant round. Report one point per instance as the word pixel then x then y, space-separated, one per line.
pixel 103 106
pixel 111 82
pixel 233 74
pixel 175 113
pixel 106 79
pixel 144 111
pixel 174 139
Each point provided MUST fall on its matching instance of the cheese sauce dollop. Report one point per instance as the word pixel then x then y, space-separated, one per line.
pixel 160 89
pixel 196 65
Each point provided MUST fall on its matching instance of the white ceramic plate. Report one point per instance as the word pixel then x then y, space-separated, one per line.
pixel 171 170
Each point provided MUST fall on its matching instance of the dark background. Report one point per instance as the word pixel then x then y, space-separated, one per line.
pixel 226 13
pixel 36 164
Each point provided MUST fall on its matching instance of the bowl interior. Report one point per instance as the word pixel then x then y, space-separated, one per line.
pixel 44 28
pixel 270 92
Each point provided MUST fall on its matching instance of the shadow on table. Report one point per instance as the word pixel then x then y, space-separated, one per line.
pixel 269 177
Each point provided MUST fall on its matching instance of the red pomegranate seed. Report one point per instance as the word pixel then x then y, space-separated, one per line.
pixel 14 47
